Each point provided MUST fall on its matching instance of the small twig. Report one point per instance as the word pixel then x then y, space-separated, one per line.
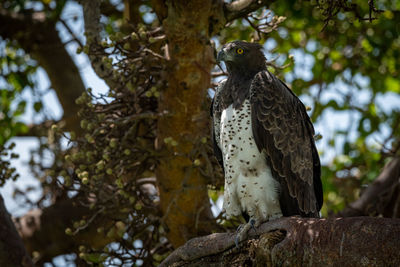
pixel 154 53
pixel 334 7
pixel 75 38
pixel 89 221
pixel 218 74
pixel 166 52
pixel 146 180
pixel 145 115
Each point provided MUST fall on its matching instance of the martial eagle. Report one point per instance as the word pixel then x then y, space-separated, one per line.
pixel 264 140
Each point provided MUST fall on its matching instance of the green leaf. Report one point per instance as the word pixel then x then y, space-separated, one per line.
pixel 37 106
pixel 335 55
pixel 392 84
pixel 20 109
pixel 213 194
pixel 21 128
pixel 95 257
pixel 366 45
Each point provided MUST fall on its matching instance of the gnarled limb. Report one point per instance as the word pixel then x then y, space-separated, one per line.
pixel 295 241
pixel 42 229
pixel 381 197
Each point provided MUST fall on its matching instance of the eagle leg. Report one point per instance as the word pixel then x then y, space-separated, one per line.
pixel 242 233
pixel 252 223
pixel 243 229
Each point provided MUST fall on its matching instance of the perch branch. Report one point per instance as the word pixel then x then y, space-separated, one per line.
pixel 322 242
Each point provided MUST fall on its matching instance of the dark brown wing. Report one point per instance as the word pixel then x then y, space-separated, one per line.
pixel 282 128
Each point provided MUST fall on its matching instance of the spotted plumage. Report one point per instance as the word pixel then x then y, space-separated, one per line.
pixel 243 163
pixel 263 139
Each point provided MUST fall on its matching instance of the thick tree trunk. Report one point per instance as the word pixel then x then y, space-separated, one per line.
pixel 183 190
pixel 295 241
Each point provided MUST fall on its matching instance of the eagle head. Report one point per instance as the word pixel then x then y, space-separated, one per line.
pixel 242 57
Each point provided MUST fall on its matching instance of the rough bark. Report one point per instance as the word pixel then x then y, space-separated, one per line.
pixel 12 250
pixel 37 35
pixel 183 190
pixel 381 197
pixel 295 241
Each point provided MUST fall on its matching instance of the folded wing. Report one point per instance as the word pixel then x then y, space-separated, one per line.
pixel 282 128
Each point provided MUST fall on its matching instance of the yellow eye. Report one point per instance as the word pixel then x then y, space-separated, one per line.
pixel 239 51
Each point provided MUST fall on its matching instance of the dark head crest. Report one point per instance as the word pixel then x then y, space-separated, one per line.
pixel 242 57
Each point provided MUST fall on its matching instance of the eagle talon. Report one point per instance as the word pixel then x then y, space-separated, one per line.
pixel 238 235
pixel 237 241
pixel 242 231
pixel 252 224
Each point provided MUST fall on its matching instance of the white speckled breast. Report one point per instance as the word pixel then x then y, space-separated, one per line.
pixel 249 186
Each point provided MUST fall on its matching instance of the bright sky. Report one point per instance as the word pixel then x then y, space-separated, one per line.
pixel 326 125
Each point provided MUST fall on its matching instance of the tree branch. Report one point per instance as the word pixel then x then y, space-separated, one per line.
pixel 240 8
pixel 378 195
pixel 294 241
pixel 91 16
pixel 108 9
pixel 39 130
pixel 40 227
pixel 12 250
pixel 41 40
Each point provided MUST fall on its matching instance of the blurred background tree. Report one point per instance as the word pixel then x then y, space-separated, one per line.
pixel 128 175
